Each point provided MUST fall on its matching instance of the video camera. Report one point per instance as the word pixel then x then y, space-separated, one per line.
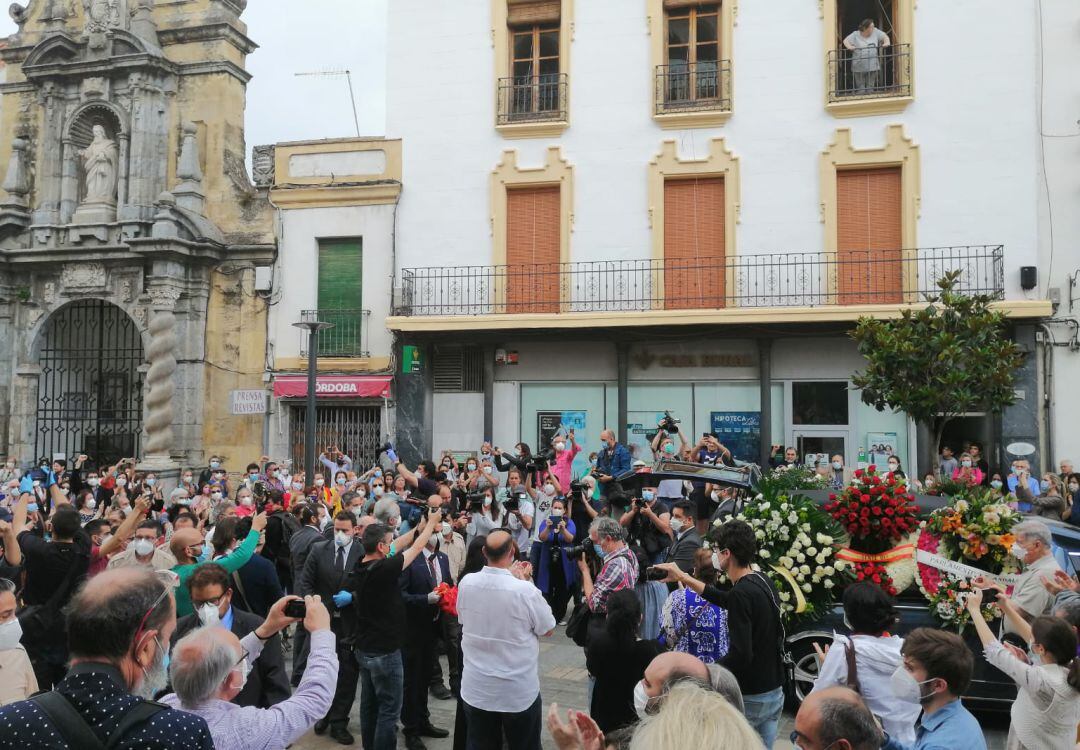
pixel 669 423
pixel 513 501
pixel 475 501
pixel 539 462
pixel 577 551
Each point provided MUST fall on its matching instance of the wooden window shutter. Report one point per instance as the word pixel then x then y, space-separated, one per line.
pixel 869 235
pixel 533 249
pixel 695 267
pixel 530 12
pixel 675 4
pixel 340 275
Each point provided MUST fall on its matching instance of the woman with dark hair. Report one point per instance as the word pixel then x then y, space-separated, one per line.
pixel 617 659
pixel 1046 711
pixel 490 517
pixel 869 613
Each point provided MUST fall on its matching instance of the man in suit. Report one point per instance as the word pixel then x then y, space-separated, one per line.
pixel 211 596
pixel 423 625
pixel 300 544
pixel 685 540
pixel 326 570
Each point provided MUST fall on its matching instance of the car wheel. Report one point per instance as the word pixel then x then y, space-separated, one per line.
pixel 806 669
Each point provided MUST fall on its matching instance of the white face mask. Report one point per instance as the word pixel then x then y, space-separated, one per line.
pixel 143 547
pixel 341 538
pixel 487 469
pixel 471 467
pixel 245 501
pixel 320 482
pixel 245 669
pixel 549 488
pixel 446 529
pixel 487 502
pixel 1018 552
pixel 93 481
pixel 10 634
pixel 716 496
pixel 641 700
pixel 298 486
pixel 906 688
pixel 676 525
pixel 378 490
pixel 560 446
pixel 716 561
pixel 121 482
pixel 215 495
pixel 837 465
pixel 208 614
pixel 91 504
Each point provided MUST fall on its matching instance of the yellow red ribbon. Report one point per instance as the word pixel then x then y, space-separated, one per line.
pixel 800 600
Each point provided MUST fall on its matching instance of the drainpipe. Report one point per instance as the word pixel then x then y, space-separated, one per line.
pixel 1048 392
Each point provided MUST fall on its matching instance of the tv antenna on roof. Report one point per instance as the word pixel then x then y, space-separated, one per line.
pixel 334 74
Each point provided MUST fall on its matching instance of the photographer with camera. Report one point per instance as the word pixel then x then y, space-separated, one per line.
pixel 612 461
pixel 485 514
pixel 556 573
pixel 647 521
pixel 619 567
pixel 520 512
pixel 542 498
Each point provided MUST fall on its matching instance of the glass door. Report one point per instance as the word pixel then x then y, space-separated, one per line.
pixel 820 445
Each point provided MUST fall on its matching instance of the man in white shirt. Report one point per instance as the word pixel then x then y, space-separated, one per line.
pixel 502 615
pixel 865 62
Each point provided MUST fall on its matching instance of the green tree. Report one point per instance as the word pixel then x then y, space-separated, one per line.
pixel 940 361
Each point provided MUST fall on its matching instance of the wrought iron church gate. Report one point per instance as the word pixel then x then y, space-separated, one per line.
pixel 90 391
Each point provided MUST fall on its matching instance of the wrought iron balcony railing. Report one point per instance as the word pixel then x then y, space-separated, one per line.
pixel 693 87
pixel 348 337
pixel 744 281
pixel 532 99
pixel 872 73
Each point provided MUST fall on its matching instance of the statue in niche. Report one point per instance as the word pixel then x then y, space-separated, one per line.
pixel 101 164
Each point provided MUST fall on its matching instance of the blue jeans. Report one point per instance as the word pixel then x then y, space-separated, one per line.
pixel 382 679
pixel 763 712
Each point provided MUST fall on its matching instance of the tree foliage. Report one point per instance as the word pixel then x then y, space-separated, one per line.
pixel 948 358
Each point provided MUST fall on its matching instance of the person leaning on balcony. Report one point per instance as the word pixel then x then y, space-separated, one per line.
pixel 865 62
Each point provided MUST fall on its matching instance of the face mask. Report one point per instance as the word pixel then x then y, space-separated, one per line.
pixel 245 669
pixel 647 495
pixel 183 501
pixel 487 501
pixel 298 485
pixel 104 539
pixel 378 490
pixel 215 495
pixel 341 538
pixel 392 551
pixel 156 678
pixel 847 624
pixel 93 481
pixel 598 549
pixel 187 479
pixel 208 614
pixel 906 688
pixel 121 482
pixel 641 700
pixel 246 502
pixel 1072 487
pixel 676 525
pixel 446 529
pixel 966 463
pixel 549 488
pixel 143 547
pixel 1044 485
pixel 471 467
pixel 32 507
pixel 10 634
pixel 837 465
pixel 215 464
pixel 996 484
pixel 560 446
pixel 91 504
pixel 1018 552
pixel 716 496
pixel 204 555
pixel 1034 658
pixel 716 561
pixel 894 467
pixel 341 481
pixel 487 469
pixel 36 484
pixel 281 475
pixel 1016 470
pixel 320 482
pixel 151 481
pixel 592 462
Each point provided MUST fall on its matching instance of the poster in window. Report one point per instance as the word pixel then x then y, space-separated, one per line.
pixel 549 422
pixel 879 446
pixel 739 431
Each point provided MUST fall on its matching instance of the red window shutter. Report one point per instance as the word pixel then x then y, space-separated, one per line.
pixel 869 236
pixel 533 249
pixel 694 251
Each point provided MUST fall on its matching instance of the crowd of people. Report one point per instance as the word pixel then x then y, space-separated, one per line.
pixel 242 610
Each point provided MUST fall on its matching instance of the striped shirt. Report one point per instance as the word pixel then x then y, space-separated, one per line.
pixel 620 571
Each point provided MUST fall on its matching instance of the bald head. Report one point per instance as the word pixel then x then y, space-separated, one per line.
pixel 202 666
pixel 182 540
pixel 115 611
pixel 499 549
pixel 836 717
pixel 670 667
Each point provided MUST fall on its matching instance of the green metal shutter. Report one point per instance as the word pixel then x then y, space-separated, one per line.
pixel 341 296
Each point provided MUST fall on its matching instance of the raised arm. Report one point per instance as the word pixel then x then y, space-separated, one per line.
pixel 236 559
pixel 12 550
pixel 434 518
pixel 127 529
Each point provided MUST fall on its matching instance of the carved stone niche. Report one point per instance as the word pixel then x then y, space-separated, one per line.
pixel 95 165
pixel 84 278
pixel 262 166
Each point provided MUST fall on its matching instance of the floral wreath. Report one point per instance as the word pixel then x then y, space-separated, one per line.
pixel 879 515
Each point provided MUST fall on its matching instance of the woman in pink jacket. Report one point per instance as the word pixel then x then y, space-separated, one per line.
pixel 565 451
pixel 967 471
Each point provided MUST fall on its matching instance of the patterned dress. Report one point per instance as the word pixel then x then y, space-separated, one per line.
pixel 692 625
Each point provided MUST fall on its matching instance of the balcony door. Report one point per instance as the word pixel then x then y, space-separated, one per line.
pixel 869 267
pixel 694 252
pixel 533 249
pixel 535 68
pixel 340 299
pixel 693 52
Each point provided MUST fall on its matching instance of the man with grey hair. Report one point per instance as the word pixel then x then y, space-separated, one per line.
pixel 210 665
pixel 619 568
pixel 1033 547
pixel 836 718
pixel 387 512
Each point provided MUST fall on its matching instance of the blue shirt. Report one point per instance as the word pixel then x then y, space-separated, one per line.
pixel 1033 485
pixel 951 727
pixel 98 693
pixel 227 620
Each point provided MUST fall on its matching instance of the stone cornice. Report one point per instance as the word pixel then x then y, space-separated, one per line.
pixel 209 33
pixel 140 250
pixel 213 67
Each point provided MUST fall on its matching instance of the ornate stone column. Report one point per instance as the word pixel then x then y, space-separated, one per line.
pixel 160 388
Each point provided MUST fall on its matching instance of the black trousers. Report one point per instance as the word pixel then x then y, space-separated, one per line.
pixel 348 677
pixel 487 729
pixel 558 597
pixel 450 635
pixel 418 656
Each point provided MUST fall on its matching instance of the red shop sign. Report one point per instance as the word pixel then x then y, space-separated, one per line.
pixel 334 386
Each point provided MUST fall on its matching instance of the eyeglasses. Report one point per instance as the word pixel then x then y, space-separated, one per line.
pixel 170 581
pixel 216 601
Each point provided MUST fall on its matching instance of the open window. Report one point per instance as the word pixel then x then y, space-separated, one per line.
pixel 869 52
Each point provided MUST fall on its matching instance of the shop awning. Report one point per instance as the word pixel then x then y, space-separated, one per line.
pixel 334 386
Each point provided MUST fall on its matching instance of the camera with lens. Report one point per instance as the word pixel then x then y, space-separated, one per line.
pixel 577 551
pixel 539 462
pixel 475 501
pixel 513 502
pixel 655 574
pixel 260 490
pixel 669 423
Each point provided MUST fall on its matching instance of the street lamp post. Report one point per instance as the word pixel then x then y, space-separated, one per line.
pixel 309 321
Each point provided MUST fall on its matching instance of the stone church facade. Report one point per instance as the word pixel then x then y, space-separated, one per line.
pixel 130 234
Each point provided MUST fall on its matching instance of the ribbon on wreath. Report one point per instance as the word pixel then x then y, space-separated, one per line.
pixel 896 554
pixel 800 600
